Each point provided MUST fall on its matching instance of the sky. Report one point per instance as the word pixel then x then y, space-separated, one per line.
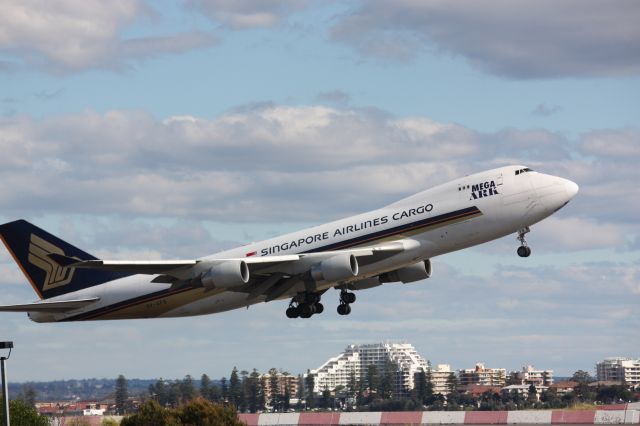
pixel 175 129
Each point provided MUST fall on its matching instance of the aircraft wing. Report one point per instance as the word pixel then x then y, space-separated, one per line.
pixel 54 306
pixel 286 264
pixel 271 276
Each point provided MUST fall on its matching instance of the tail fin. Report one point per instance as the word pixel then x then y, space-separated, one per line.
pixel 31 246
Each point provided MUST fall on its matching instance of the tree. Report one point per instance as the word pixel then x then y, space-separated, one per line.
pixel 420 386
pixel 28 395
pixel 581 377
pixel 205 387
pixel 122 394
pixel 513 379
pixel 173 394
pixel 453 397
pixel 204 413
pixel 325 402
pixel 224 389
pixel 429 385
pixel 310 385
pixel 159 392
pixel 151 413
pixel 244 386
pixel 255 395
pixel 235 390
pixel 452 383
pixel 352 384
pixel 215 394
pixel 300 394
pixel 273 386
pixel 533 393
pixel 22 414
pixel 286 398
pixel 198 411
pixel 385 385
pixel 373 379
pixel 187 389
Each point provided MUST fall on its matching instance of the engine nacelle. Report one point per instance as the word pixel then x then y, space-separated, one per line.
pixel 365 284
pixel 232 273
pixel 415 272
pixel 336 268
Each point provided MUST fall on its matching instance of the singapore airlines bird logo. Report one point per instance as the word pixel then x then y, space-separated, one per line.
pixel 56 275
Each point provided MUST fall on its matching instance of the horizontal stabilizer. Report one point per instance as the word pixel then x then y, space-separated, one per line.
pixel 58 306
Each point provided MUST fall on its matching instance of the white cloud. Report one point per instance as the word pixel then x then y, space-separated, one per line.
pixel 245 14
pixel 293 163
pixel 614 143
pixel 572 233
pixel 524 39
pixel 66 36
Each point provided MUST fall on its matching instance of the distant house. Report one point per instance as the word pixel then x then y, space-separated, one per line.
pixel 563 387
pixel 524 390
pixel 479 390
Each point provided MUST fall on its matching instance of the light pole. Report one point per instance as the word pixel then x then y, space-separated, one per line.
pixel 5 384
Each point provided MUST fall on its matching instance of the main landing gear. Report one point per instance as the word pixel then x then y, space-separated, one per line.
pixel 524 250
pixel 305 305
pixel 346 299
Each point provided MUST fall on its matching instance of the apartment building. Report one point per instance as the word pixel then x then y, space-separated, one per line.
pixel 402 358
pixel 481 375
pixel 530 376
pixel 619 369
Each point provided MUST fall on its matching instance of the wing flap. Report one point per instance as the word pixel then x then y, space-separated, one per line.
pixel 54 306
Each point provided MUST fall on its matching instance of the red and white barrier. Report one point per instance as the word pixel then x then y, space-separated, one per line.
pixel 608 415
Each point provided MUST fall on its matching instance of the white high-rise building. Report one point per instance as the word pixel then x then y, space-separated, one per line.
pixel 530 376
pixel 401 358
pixel 619 370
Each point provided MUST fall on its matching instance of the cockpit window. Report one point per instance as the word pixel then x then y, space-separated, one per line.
pixel 525 170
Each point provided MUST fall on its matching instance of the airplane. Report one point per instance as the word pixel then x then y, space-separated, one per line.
pixel 392 244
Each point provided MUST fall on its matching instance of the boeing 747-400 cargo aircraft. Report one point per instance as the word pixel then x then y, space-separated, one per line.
pixel 392 244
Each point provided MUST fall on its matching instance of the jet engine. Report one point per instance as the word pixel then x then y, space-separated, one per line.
pixel 336 268
pixel 232 273
pixel 415 272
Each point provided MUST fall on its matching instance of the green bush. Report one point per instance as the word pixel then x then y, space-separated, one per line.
pixel 198 412
pixel 23 414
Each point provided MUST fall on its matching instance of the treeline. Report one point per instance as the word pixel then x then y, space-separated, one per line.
pixel 376 392
pixel 243 390
pixel 83 389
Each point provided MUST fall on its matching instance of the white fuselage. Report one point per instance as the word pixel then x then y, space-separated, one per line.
pixel 452 216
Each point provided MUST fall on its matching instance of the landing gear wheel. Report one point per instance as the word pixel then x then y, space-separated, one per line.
pixel 292 312
pixel 306 310
pixel 344 309
pixel 319 308
pixel 349 297
pixel 524 251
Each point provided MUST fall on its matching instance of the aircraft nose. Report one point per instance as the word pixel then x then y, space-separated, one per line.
pixel 571 188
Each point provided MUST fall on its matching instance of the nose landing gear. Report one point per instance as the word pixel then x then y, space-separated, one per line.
pixel 524 250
